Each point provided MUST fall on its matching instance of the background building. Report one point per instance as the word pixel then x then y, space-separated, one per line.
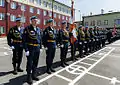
pixel 107 20
pixel 10 9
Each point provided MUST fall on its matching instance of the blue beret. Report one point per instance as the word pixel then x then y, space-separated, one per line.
pixel 80 26
pixel 18 19
pixel 64 22
pixel 86 27
pixel 50 20
pixel 33 17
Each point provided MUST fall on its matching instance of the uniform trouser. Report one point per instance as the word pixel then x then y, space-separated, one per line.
pixel 80 47
pixel 86 46
pixel 93 45
pixel 17 56
pixel 32 60
pixel 73 50
pixel 50 52
pixel 63 53
pixel 103 42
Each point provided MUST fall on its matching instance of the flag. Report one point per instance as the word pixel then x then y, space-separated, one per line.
pixel 114 30
pixel 72 25
pixel 73 31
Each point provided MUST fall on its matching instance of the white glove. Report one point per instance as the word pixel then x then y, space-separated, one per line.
pixel 62 46
pixel 46 48
pixel 80 43
pixel 41 50
pixel 27 53
pixel 12 47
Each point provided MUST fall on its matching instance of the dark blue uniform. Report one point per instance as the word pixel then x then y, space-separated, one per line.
pixel 32 43
pixel 63 40
pixel 14 39
pixel 49 42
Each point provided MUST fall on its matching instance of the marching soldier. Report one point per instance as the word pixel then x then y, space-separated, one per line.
pixel 32 45
pixel 49 43
pixel 87 40
pixel 104 37
pixel 14 39
pixel 63 40
pixel 92 40
pixel 81 39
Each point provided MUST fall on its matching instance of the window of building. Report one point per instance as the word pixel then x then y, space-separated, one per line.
pixel 63 10
pixel 39 2
pixel 59 16
pixel 66 18
pixel 31 9
pixel 55 23
pixel 13 5
pixel 50 14
pixel 31 1
pixel 55 15
pixel 45 13
pixel 63 17
pixel 2 3
pixel 86 23
pixel 2 16
pixel 59 24
pixel 38 21
pixel 12 18
pixel 44 22
pixel 45 3
pixel 55 7
pixel 23 19
pixel 59 8
pixel 38 11
pixel 50 5
pixel 23 7
pixel 92 23
pixel 117 21
pixel 2 30
pixel 99 22
pixel 105 22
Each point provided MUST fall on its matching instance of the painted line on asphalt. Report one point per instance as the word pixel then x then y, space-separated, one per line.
pixel 85 63
pixel 103 77
pixel 79 77
pixel 44 79
pixel 92 59
pixel 62 77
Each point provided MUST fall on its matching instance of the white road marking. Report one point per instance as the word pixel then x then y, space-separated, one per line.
pixel 101 54
pixel 112 80
pixel 62 77
pixel 79 77
pixel 92 59
pixel 42 80
pixel 86 63
pixel 5 53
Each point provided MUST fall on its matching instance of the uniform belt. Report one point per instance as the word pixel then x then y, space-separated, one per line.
pixel 51 41
pixel 33 44
pixel 65 40
pixel 82 38
pixel 17 41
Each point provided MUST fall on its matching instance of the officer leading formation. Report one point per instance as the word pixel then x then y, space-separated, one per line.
pixel 31 39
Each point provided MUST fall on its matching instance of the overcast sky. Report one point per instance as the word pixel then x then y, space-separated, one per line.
pixel 94 6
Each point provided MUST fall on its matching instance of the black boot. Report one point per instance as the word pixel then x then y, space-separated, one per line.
pixel 62 65
pixel 66 64
pixel 29 79
pixel 48 70
pixel 19 69
pixel 15 69
pixel 52 70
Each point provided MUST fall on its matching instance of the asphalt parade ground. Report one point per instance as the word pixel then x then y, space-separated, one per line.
pixel 99 68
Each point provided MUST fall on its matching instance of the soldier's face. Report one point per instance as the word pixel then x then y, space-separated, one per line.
pixel 51 24
pixel 64 26
pixel 19 23
pixel 34 21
